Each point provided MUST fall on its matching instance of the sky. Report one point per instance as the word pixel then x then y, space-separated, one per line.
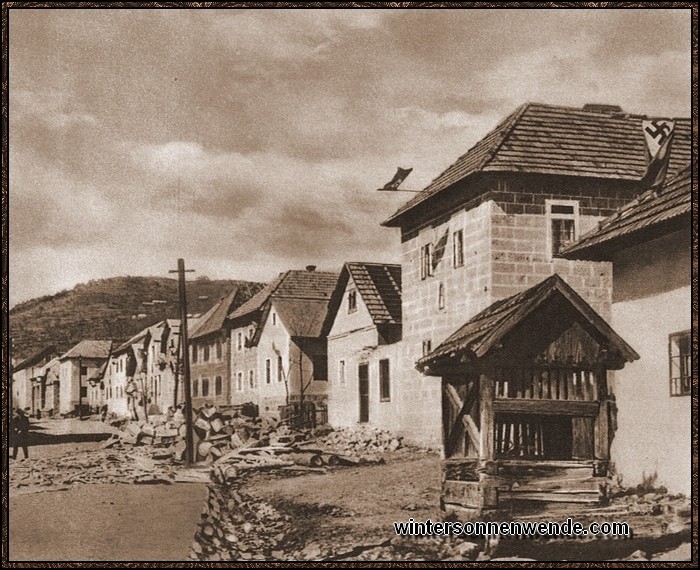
pixel 249 142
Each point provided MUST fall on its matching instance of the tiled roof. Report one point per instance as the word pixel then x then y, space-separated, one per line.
pixel 549 139
pixel 645 212
pixel 485 330
pixel 380 287
pixel 139 336
pixel 89 349
pixel 213 319
pixel 302 317
pixel 297 284
pixel 35 358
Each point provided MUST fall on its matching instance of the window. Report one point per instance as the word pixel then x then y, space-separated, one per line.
pixel 251 378
pixel 441 296
pixel 427 348
pixel 679 359
pixel 384 381
pixel 195 350
pixel 341 372
pixel 562 224
pixel 218 386
pixel 458 248
pixel 426 260
pixel 195 387
pixel 280 369
pixel 218 349
pixel 206 353
pixel 83 370
pixel 205 387
pixel 268 371
pixel 320 367
pixel 83 391
pixel 274 319
pixel 239 381
pixel 352 301
pixel 239 341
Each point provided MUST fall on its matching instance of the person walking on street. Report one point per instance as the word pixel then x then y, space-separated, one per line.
pixel 20 430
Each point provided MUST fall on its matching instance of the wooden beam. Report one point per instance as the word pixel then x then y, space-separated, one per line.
pixel 549 407
pixel 463 417
pixel 486 388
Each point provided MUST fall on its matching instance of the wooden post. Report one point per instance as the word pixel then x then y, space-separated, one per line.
pixel 602 440
pixel 185 360
pixel 487 484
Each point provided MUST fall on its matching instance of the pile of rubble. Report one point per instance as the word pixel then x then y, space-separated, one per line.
pixel 261 440
pixel 362 441
pixel 99 466
pixel 236 526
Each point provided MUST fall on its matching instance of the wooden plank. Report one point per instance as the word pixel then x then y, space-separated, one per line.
pixel 463 418
pixel 550 497
pixel 463 493
pixel 486 448
pixel 549 407
pixel 582 434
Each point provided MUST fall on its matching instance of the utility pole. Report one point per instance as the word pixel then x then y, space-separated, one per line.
pixel 185 358
pixel 80 386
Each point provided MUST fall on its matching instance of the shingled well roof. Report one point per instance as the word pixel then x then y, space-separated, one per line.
pixel 548 139
pixel 486 330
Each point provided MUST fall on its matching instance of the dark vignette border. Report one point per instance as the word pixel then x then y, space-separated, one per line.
pixel 4 261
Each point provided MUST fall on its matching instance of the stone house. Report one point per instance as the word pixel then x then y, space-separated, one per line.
pixel 27 388
pixel 491 225
pixel 210 359
pixel 363 346
pixel 649 244
pixel 77 366
pixel 278 342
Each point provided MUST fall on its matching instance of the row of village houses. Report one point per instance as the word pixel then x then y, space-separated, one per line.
pixel 544 277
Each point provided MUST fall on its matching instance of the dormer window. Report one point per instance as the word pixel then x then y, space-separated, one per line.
pixel 352 301
pixel 562 224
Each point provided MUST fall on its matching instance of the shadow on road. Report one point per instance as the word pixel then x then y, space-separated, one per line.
pixel 37 437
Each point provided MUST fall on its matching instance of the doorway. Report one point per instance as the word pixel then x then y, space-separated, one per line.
pixel 363 377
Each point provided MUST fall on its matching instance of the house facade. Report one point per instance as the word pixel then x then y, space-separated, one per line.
pixel 649 245
pixel 26 380
pixel 210 346
pixel 278 350
pixel 77 366
pixel 363 346
pixel 491 226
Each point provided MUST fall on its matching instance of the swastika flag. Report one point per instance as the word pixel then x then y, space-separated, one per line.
pixel 398 178
pixel 659 137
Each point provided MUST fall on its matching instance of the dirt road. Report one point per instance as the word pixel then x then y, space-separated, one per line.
pixel 351 506
pixel 106 522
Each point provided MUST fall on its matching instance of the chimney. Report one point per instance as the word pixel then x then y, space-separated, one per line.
pixel 602 108
pixel 311 268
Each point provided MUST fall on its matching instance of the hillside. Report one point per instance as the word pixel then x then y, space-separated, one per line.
pixel 115 308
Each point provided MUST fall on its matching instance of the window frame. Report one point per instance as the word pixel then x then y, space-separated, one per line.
pixel 441 296
pixel 426 260
pixel 458 249
pixel 268 371
pixel 384 380
pixel 352 301
pixel 681 385
pixel 552 216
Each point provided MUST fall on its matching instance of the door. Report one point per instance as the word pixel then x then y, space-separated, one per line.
pixel 363 377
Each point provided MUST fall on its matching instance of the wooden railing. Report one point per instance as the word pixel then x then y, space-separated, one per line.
pixel 552 383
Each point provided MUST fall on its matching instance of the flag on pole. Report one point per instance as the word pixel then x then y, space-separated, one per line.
pixel 659 137
pixel 398 178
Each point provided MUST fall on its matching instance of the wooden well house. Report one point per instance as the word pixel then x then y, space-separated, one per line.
pixel 527 411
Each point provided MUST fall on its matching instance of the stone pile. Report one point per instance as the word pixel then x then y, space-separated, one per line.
pixel 237 526
pixel 132 465
pixel 362 441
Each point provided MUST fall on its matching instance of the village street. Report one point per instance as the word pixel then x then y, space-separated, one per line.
pixel 70 502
